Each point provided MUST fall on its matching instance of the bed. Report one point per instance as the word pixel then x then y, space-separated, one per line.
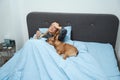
pixel 93 34
pixel 92 29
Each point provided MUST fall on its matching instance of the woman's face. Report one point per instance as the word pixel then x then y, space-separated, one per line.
pixel 52 29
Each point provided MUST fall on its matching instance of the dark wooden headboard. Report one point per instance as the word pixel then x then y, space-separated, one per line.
pixel 85 27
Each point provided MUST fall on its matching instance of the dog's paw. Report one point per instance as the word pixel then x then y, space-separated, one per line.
pixel 65 56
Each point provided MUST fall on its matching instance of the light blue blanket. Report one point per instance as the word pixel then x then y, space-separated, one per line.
pixel 38 60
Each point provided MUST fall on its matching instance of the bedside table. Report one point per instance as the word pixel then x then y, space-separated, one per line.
pixel 6 53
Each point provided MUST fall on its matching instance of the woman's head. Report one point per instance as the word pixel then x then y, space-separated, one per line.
pixel 53 27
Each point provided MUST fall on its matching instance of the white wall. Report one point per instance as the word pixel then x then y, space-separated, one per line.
pixel 10 22
pixel 4 19
pixel 16 11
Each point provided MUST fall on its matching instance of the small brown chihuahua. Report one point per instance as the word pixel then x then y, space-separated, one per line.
pixel 62 48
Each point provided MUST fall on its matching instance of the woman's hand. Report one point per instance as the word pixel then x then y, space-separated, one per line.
pixel 56 25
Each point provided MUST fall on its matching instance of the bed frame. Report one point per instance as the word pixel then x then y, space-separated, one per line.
pixel 101 28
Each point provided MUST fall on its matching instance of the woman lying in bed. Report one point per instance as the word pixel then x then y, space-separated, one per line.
pixel 54 27
pixel 38 60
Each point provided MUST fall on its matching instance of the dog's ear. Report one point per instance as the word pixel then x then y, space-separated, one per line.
pixel 53 38
pixel 57 35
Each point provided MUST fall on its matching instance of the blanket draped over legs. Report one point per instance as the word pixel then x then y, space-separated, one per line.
pixel 38 60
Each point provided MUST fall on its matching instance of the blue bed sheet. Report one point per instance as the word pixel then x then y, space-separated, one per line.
pixel 105 56
pixel 38 60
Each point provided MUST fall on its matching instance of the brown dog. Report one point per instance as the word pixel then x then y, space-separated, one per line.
pixel 62 48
